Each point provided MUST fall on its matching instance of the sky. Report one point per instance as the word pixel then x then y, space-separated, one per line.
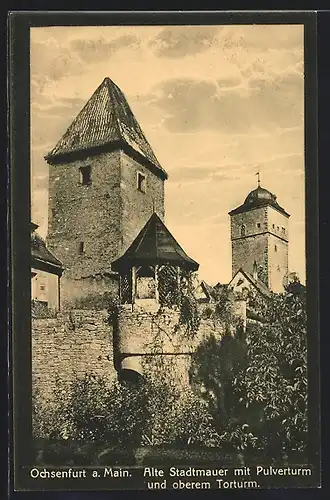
pixel 216 103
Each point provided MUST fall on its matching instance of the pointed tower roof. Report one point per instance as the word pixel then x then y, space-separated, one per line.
pixel 105 121
pixel 155 245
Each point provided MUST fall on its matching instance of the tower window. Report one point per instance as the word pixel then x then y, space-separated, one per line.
pixel 275 248
pixel 243 230
pixel 283 229
pixel 81 247
pixel 273 226
pixel 258 225
pixel 141 182
pixel 85 175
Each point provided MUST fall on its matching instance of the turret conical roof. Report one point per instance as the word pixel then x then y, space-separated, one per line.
pixel 105 120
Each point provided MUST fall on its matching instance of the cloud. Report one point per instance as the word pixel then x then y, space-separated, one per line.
pixel 176 42
pixel 194 105
pixel 200 172
pixel 62 63
pixel 62 109
pixel 263 37
pixel 93 51
pixel 214 102
pixel 228 82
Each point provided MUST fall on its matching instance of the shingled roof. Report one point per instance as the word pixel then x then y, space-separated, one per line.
pixel 105 121
pixel 42 258
pixel 257 283
pixel 258 198
pixel 154 245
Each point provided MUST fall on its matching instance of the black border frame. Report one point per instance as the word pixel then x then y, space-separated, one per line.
pixel 19 340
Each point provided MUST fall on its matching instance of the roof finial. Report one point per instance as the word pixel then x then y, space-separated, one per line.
pixel 258 174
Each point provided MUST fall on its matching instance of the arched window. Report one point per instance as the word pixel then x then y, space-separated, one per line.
pixel 243 230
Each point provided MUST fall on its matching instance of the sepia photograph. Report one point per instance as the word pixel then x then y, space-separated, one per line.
pixel 169 321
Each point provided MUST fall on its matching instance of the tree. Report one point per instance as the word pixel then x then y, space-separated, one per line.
pixel 263 378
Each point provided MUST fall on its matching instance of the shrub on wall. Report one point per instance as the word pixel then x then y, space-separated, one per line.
pixel 41 310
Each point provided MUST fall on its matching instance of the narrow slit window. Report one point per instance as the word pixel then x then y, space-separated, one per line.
pixel 141 182
pixel 85 175
pixel 81 247
pixel 258 225
pixel 275 248
pixel 243 230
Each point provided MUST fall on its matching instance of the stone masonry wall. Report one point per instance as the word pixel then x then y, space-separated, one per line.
pixel 82 341
pixel 254 245
pixel 88 214
pixel 267 245
pixel 278 263
pixel 250 220
pixel 163 346
pixel 73 290
pixel 70 345
pixel 104 216
pixel 137 207
pixel 247 250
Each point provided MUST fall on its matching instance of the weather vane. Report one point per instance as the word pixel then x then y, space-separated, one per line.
pixel 258 174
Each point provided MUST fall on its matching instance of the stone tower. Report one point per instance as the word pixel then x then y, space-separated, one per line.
pixel 104 184
pixel 259 236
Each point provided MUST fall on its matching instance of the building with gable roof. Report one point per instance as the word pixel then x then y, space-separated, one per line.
pixel 46 272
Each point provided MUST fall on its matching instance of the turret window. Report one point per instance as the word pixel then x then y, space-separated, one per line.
pixel 258 225
pixel 275 248
pixel 85 175
pixel 243 230
pixel 81 248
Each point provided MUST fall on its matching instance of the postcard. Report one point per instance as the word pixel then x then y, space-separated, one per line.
pixel 164 270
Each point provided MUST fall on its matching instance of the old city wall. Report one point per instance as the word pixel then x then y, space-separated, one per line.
pixel 89 288
pixel 156 344
pixel 83 341
pixel 69 346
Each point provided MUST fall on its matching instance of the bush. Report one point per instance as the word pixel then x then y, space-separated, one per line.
pixel 41 310
pixel 123 414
